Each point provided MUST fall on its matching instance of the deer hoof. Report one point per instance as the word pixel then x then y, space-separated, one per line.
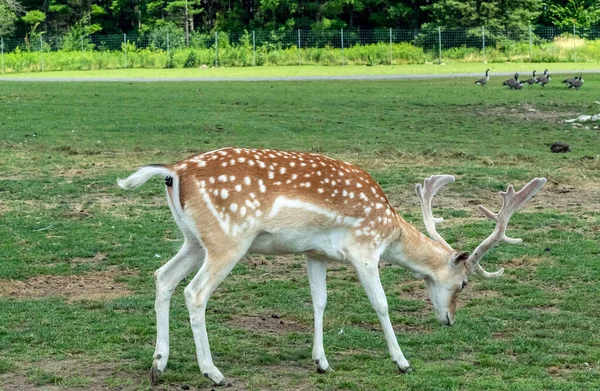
pixel 320 368
pixel 155 374
pixel 406 370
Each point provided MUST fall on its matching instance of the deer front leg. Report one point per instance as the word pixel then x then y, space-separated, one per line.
pixel 368 275
pixel 317 279
pixel 167 278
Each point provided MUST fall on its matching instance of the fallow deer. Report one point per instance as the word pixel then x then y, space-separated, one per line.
pixel 236 201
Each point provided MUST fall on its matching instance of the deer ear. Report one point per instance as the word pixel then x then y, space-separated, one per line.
pixel 460 257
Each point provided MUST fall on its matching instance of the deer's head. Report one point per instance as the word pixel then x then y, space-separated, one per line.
pixel 449 277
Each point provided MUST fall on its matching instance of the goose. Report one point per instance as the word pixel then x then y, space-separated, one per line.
pixel 519 85
pixel 483 82
pixel 511 83
pixel 532 80
pixel 577 83
pixel 544 80
pixel 569 81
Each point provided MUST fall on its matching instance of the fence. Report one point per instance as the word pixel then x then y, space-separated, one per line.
pixel 298 47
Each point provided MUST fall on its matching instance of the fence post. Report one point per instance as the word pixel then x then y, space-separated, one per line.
pixel 253 49
pixel 216 49
pixel 299 46
pixel 391 49
pixel 125 48
pixel 440 43
pixel 342 39
pixel 42 51
pixel 2 47
pixel 483 46
pixel 574 45
pixel 530 45
pixel 168 47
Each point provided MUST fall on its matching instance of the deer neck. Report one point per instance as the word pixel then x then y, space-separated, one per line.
pixel 414 251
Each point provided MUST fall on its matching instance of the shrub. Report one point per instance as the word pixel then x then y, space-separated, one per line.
pixel 190 61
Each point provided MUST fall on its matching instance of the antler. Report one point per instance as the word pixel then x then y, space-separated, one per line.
pixel 511 203
pixel 426 193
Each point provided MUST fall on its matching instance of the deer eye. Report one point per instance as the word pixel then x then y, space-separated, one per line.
pixel 464 285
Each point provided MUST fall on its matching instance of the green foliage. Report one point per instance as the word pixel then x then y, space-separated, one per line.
pixel 34 17
pixel 190 61
pixel 8 17
pixel 202 51
pixel 158 36
pixel 78 36
pixel 582 13
pixel 514 15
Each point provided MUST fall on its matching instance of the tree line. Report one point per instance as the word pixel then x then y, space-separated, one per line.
pixel 28 18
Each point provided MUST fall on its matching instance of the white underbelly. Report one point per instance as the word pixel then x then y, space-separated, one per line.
pixel 320 244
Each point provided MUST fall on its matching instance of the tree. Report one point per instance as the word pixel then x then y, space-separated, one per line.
pixel 502 14
pixel 581 13
pixel 185 9
pixel 9 11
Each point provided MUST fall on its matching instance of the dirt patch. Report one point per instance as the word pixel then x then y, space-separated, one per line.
pixel 99 285
pixel 95 260
pixel 71 374
pixel 564 197
pixel 77 212
pixel 282 267
pixel 550 309
pixel 272 323
pixel 80 374
pixel 526 112
pixel 567 370
pixel 525 263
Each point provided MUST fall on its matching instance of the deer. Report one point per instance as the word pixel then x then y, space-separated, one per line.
pixel 232 202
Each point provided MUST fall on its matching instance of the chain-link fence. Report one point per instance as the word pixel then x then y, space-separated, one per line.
pixel 299 47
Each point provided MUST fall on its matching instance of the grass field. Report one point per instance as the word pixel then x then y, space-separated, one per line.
pixel 78 254
pixel 315 70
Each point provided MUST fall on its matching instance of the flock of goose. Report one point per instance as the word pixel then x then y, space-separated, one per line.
pixel 516 84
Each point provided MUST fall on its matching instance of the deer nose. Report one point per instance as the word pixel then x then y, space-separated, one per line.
pixel 449 319
pixel 445 319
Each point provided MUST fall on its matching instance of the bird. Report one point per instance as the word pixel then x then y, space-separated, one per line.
pixel 544 79
pixel 483 82
pixel 519 85
pixel 511 83
pixel 577 83
pixel 532 80
pixel 569 81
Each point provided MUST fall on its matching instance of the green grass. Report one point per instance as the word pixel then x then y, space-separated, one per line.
pixel 313 70
pixel 62 146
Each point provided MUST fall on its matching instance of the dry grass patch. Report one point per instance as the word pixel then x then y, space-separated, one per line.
pixel 98 285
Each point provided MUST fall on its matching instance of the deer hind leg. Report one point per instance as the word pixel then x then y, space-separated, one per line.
pixel 368 275
pixel 316 270
pixel 167 278
pixel 217 265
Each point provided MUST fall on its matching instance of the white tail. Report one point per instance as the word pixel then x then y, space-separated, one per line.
pixel 235 201
pixel 142 175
